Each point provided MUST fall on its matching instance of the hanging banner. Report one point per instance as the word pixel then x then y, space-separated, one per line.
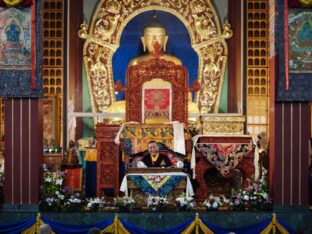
pixel 300 41
pixel 20 66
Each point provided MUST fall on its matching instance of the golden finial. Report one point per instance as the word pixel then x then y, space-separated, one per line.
pixel 82 33
pixel 227 31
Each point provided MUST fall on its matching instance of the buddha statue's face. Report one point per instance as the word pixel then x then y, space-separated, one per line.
pixel 153 36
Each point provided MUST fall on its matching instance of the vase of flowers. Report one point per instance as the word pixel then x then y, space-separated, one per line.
pixel 215 202
pixel 74 203
pixel 52 196
pixel 95 204
pixel 255 197
pixel 155 203
pixel 184 203
pixel 124 203
pixel 55 196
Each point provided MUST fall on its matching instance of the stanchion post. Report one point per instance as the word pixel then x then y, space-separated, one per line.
pixel 274 221
pixel 38 222
pixel 197 223
pixel 116 224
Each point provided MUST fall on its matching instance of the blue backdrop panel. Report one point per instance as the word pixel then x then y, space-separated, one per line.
pixel 179 44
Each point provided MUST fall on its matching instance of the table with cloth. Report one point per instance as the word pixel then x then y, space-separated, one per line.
pixel 224 153
pixel 170 184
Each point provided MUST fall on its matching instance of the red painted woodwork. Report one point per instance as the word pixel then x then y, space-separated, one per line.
pixel 75 65
pixel 176 75
pixel 73 178
pixel 23 150
pixel 107 158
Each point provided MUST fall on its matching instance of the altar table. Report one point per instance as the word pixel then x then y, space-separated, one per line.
pixel 225 153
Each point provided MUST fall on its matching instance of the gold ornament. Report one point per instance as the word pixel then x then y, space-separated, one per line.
pixel 12 3
pixel 306 3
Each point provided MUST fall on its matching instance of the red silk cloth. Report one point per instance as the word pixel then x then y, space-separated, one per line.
pixel 286 43
pixel 33 43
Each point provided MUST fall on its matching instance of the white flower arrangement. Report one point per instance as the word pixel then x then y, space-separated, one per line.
pixel 156 202
pixel 184 203
pixel 215 202
pixel 124 202
pixel 56 197
pixel 74 203
pixel 95 203
pixel 254 197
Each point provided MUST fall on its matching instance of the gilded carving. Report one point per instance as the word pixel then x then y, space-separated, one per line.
pixel 99 75
pixel 201 21
pixel 229 125
pixel 107 21
pixel 214 61
pixel 204 26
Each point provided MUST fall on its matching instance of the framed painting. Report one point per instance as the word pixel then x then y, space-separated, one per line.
pixel 51 122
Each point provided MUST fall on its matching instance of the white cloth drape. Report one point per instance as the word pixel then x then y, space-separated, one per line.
pixel 71 122
pixel 178 137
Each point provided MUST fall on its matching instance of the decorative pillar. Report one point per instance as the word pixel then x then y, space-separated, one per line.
pixel 23 153
pixel 290 156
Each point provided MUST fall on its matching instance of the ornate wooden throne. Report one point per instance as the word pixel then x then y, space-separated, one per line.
pixel 137 76
pixel 156 68
pixel 163 71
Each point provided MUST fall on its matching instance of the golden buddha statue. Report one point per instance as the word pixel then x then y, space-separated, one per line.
pixel 154 34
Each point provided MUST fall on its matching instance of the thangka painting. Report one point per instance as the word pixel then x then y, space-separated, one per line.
pixel 300 41
pixel 157 104
pixel 15 45
pixel 20 52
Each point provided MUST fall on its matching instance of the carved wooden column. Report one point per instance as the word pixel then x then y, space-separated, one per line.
pixel 107 158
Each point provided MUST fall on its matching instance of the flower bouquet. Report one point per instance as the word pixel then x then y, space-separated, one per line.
pixel 74 203
pixel 95 204
pixel 56 197
pixel 124 203
pixel 156 202
pixel 215 202
pixel 184 203
pixel 255 197
pixel 52 195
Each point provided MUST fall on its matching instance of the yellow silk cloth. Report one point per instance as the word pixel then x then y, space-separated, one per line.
pixel 91 155
pixel 154 158
pixel 141 134
pixel 156 181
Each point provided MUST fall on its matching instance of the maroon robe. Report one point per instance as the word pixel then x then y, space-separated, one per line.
pixel 162 161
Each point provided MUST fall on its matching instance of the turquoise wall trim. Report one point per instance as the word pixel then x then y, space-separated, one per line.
pixel 87 123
